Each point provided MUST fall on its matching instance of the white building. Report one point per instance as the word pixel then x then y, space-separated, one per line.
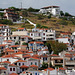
pixel 63 39
pixel 5 32
pixel 42 34
pixel 73 38
pixel 10 14
pixel 54 10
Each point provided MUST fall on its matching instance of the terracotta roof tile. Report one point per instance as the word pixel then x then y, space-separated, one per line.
pixel 21 28
pixel 18 53
pixel 54 55
pixel 38 42
pixel 20 61
pixel 15 45
pixel 61 68
pixel 34 66
pixel 12 65
pixel 24 66
pixel 13 74
pixel 27 56
pixel 6 62
pixel 49 69
pixel 3 68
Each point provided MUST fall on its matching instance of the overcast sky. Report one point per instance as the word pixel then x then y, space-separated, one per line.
pixel 65 5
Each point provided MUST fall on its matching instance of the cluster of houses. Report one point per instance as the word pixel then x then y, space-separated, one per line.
pixel 23 52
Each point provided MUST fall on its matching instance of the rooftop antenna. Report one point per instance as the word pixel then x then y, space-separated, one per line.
pixel 21 5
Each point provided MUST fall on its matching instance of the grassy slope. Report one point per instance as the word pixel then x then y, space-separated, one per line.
pixel 50 23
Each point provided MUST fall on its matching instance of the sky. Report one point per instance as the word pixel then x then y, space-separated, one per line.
pixel 65 5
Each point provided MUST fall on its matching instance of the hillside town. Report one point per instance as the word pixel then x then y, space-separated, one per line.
pixel 36 51
pixel 18 58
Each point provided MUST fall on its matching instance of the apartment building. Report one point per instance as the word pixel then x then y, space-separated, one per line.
pixel 42 34
pixel 5 31
pixel 54 10
pixel 10 14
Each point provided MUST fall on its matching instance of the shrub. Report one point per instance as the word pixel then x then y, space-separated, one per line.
pixel 63 22
pixel 5 21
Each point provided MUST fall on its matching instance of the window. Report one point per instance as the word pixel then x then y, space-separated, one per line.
pixel 7 34
pixel 43 37
pixel 43 33
pixel 14 37
pixel 39 34
pixel 22 69
pixel 46 30
pixel 35 63
pixel 13 69
pixel 22 39
pixel 19 64
pixel 10 69
pixel 46 58
pixel 7 38
pixel 7 59
pixel 31 34
pixel 10 38
pixel 23 64
pixel 31 63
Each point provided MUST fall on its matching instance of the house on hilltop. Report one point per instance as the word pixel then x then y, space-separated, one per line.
pixel 54 10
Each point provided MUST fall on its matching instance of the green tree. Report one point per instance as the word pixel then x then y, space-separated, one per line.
pixel 44 27
pixel 44 65
pixel 24 43
pixel 38 26
pixel 12 8
pixel 24 13
pixel 67 14
pixel 32 9
pixel 61 13
pixel 16 43
pixel 1 15
pixel 56 46
pixel 5 21
pixel 49 16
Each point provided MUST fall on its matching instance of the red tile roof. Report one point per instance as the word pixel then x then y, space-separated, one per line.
pixel 12 65
pixel 9 50
pixel 68 55
pixel 6 62
pixel 44 55
pixel 13 74
pixel 15 45
pixel 35 58
pixel 36 55
pixel 27 56
pixel 6 56
pixel 30 52
pixel 61 68
pixel 49 69
pixel 38 42
pixel 20 61
pixel 2 25
pixel 3 45
pixel 3 68
pixel 18 53
pixel 24 66
pixel 34 66
pixel 56 58
pixel 21 28
pixel 25 36
pixel 9 41
pixel 54 55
